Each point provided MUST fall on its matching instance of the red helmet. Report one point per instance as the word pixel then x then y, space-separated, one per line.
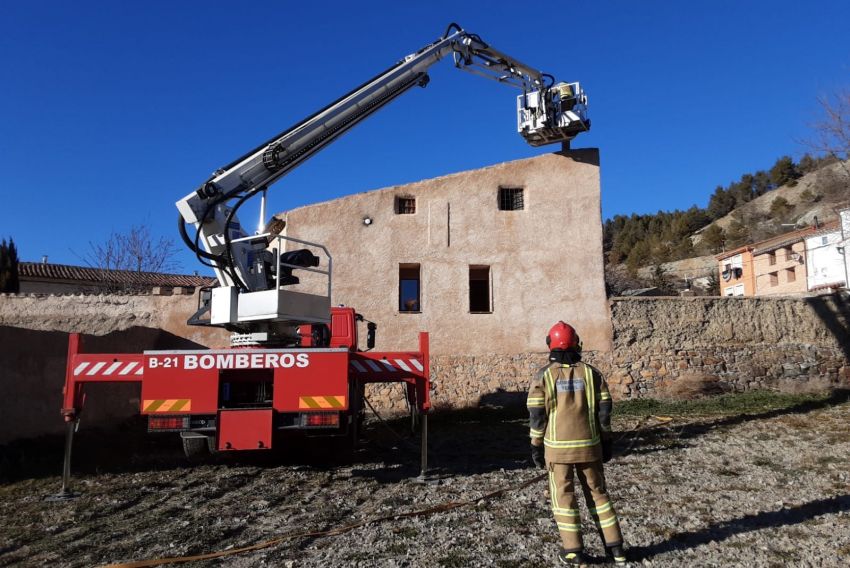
pixel 562 336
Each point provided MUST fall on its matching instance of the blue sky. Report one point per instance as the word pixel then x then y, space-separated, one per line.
pixel 111 111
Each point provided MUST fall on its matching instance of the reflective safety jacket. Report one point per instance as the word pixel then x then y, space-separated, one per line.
pixel 570 410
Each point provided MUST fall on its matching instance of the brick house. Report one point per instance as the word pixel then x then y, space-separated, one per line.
pixel 779 264
pixel 735 268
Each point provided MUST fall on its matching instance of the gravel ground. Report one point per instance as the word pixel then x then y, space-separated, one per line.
pixel 769 489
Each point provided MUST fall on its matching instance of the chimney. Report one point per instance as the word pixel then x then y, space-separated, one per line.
pixel 44 259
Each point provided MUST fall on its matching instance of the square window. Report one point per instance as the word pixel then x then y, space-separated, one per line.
pixel 774 278
pixel 405 205
pixel 790 275
pixel 511 199
pixel 479 289
pixel 771 257
pixel 408 288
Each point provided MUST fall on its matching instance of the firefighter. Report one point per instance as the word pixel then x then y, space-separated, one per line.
pixel 570 421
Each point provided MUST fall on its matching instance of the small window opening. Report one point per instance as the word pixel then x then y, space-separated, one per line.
pixel 790 275
pixel 511 199
pixel 408 288
pixel 774 278
pixel 479 290
pixel 405 205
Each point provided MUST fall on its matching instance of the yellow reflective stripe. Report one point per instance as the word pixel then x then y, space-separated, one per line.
pixel 549 383
pixel 535 433
pixel 569 527
pixel 552 493
pixel 571 444
pixel 534 399
pixel 565 512
pixel 591 401
pixel 321 402
pixel 602 508
pixel 604 395
pixel 167 405
pixel 608 522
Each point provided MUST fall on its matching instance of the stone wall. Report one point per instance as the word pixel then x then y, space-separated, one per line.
pixel 729 344
pixel 108 313
pixel 725 344
pixel 34 345
pixel 737 343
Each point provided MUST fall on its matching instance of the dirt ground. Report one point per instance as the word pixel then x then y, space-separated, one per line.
pixel 764 489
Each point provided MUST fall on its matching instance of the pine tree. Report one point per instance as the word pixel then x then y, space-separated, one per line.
pixel 721 203
pixel 781 208
pixel 783 171
pixel 737 234
pixel 9 281
pixel 713 239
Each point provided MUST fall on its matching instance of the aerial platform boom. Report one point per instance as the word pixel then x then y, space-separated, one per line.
pixel 247 264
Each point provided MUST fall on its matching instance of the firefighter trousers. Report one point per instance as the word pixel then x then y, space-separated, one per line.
pixel 565 507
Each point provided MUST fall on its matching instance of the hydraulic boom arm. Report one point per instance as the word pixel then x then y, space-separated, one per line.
pixel 547 113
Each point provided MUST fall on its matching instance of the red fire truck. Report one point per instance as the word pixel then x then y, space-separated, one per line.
pixel 235 399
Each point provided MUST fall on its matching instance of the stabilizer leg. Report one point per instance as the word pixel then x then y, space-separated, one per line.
pixel 65 493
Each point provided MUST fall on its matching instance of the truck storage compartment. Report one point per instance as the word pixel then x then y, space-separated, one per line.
pixel 246 388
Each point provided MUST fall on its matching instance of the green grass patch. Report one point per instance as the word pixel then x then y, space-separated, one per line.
pixel 753 402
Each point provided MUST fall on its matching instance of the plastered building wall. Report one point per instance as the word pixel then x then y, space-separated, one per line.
pixel 824 262
pixel 545 260
pixel 782 271
pixel 731 284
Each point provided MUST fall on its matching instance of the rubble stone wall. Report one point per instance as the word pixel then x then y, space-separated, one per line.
pixel 34 345
pixel 732 344
pixel 728 344
pixel 788 343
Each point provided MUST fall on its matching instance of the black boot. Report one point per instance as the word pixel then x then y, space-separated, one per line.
pixel 615 554
pixel 571 558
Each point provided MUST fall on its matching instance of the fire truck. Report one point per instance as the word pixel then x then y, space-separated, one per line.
pixel 295 363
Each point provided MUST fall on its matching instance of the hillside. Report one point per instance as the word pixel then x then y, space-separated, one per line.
pixel 816 194
pixel 669 247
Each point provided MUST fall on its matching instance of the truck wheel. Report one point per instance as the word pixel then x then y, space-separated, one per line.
pixel 196 447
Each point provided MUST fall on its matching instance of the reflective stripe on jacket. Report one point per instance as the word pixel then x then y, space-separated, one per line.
pixel 569 408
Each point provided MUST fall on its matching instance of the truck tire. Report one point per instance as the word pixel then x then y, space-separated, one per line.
pixel 197 447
